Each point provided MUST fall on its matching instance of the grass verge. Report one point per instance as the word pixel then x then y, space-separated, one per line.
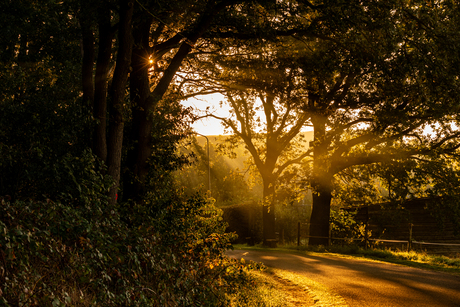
pixel 319 295
pixel 264 291
pixel 280 288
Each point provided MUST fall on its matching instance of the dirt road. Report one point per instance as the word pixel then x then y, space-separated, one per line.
pixel 366 283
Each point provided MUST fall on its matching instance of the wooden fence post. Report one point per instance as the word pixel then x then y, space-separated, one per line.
pixel 366 236
pixel 409 246
pixel 298 233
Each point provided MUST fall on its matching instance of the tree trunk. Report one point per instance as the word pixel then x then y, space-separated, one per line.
pixel 140 130
pixel 118 92
pixel 101 83
pixel 319 221
pixel 88 55
pixel 145 101
pixel 268 214
pixel 87 34
pixel 321 184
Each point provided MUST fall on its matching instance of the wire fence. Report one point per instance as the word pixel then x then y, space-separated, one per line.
pixel 408 244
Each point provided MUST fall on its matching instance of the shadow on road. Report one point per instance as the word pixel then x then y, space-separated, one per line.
pixel 367 283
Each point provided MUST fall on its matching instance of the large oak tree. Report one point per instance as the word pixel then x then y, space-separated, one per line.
pixel 273 140
pixel 387 79
pixel 370 77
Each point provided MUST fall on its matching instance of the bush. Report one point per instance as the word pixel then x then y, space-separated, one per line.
pixel 53 254
pixel 345 227
pixel 43 123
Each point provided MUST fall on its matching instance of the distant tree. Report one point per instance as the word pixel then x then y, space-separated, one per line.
pixel 272 139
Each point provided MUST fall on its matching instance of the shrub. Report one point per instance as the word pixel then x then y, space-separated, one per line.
pixel 345 227
pixel 54 254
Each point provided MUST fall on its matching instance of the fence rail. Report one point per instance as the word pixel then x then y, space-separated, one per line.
pixel 409 242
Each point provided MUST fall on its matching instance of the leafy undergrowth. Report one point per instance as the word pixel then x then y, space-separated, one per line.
pixel 63 254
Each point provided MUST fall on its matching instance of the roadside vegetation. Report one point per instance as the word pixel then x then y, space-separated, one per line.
pixel 280 288
pixel 53 254
pixel 264 291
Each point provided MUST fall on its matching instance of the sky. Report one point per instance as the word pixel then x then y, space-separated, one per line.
pixel 208 126
pixel 211 126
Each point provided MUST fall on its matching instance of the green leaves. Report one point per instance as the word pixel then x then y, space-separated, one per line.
pixel 56 254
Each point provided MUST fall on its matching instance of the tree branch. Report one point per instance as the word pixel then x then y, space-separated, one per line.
pixel 297 160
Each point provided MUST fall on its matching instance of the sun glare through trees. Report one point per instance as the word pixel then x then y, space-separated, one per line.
pixel 108 195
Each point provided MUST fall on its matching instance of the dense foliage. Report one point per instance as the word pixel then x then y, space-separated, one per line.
pixel 63 239
pixel 53 254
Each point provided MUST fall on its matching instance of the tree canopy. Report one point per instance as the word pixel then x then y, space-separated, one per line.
pixel 369 78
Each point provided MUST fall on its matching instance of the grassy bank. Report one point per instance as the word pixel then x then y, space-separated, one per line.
pixel 280 288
